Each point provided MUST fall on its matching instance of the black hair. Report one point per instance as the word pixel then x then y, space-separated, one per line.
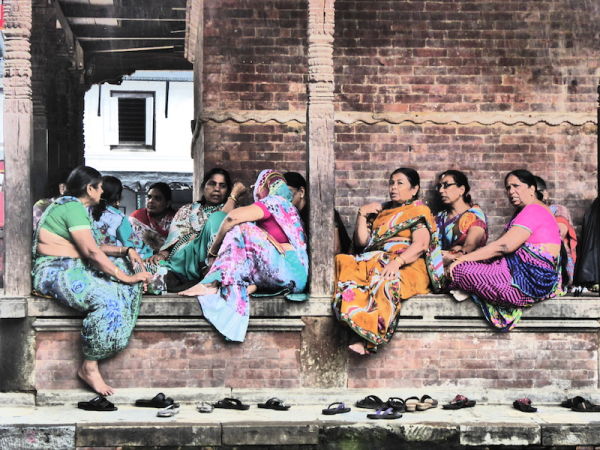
pixel 164 189
pixel 217 171
pixel 540 184
pixel 79 179
pixel 525 176
pixel 461 180
pixel 295 180
pixel 112 188
pixel 413 177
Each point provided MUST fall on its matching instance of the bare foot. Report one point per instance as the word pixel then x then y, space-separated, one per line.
pixel 90 373
pixel 359 348
pixel 199 290
pixel 251 289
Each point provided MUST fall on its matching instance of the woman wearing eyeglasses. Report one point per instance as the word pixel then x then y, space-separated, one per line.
pixel 520 268
pixel 401 258
pixel 462 224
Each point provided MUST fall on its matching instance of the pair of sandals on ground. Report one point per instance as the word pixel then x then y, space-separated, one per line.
pixel 168 407
pixel 390 409
pixel 578 404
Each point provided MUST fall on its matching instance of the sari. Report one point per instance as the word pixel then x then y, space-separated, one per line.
pixel 250 255
pixel 569 241
pixel 113 228
pixel 364 301
pixel 153 232
pixel 504 286
pixel 453 231
pixel 111 308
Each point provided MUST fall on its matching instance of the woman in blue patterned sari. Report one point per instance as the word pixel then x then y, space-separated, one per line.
pixel 70 267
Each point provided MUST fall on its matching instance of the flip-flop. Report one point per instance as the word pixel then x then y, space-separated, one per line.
pixel 585 406
pixel 169 411
pixel 410 403
pixel 99 403
pixel 426 402
pixel 370 402
pixel 336 408
pixel 524 405
pixel 159 401
pixel 385 413
pixel 231 403
pixel 274 403
pixel 459 402
pixel 205 407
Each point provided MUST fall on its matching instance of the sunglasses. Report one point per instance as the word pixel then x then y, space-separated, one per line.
pixel 444 185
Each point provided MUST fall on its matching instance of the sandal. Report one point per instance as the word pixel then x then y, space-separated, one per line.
pixel 169 411
pixel 570 402
pixel 396 403
pixel 426 402
pixel 336 408
pixel 385 413
pixel 205 407
pixel 99 403
pixel 410 403
pixel 159 401
pixel 524 405
pixel 584 405
pixel 459 402
pixel 274 403
pixel 370 402
pixel 231 403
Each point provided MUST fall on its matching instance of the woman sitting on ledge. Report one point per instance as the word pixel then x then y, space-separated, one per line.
pixel 153 221
pixel 521 267
pixel 260 246
pixel 462 224
pixel 193 228
pixel 113 227
pixel 70 267
pixel 401 258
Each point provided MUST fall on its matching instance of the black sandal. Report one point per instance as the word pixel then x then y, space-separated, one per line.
pixel 99 403
pixel 584 405
pixel 274 403
pixel 336 408
pixel 231 403
pixel 385 413
pixel 370 402
pixel 159 401
pixel 524 405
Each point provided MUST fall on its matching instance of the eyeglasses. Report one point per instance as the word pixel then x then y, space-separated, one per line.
pixel 444 185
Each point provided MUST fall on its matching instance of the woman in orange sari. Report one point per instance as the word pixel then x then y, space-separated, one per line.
pixel 401 258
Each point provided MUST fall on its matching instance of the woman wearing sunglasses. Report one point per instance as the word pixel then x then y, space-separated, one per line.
pixel 462 224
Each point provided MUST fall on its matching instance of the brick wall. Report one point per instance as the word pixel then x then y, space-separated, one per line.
pixel 479 63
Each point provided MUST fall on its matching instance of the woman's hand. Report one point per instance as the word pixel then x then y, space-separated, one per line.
pixel 449 256
pixel 238 189
pixel 452 266
pixel 143 277
pixel 134 257
pixel 154 259
pixel 370 208
pixel 391 271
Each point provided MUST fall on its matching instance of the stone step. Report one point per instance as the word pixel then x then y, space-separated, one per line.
pixel 65 427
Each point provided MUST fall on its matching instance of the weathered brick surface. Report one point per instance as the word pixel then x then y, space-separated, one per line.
pixel 481 360
pixel 498 56
pixel 177 359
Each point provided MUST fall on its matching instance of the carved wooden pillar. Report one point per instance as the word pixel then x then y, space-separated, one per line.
pixel 320 140
pixel 196 17
pixel 18 125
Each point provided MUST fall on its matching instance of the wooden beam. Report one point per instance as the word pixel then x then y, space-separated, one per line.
pixel 74 50
pixel 18 142
pixel 320 151
pixel 197 147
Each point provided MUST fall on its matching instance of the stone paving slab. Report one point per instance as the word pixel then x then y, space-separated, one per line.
pixel 67 427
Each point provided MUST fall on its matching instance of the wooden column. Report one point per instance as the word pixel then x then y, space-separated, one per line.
pixel 196 20
pixel 320 140
pixel 18 127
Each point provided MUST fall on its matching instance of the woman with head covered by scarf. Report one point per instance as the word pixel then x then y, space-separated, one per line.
pixel 260 246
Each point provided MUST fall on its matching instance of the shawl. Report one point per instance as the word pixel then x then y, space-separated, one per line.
pixel 453 231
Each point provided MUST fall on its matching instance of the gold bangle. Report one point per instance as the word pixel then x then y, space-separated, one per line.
pixel 403 261
pixel 233 197
pixel 210 253
pixel 116 271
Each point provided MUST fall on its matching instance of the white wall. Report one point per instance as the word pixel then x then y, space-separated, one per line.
pixel 173 135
